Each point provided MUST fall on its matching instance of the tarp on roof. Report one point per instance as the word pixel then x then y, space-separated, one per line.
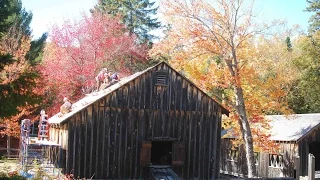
pixel 287 127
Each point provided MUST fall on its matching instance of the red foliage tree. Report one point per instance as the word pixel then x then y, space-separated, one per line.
pixel 79 49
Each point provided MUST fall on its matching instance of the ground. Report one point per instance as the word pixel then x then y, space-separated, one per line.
pixel 13 166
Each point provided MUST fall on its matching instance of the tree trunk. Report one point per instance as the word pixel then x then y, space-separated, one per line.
pixel 246 131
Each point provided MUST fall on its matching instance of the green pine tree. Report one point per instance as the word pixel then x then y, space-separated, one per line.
pixel 137 15
pixel 14 27
pixel 314 6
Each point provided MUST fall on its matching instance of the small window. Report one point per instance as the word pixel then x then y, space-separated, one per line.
pixel 276 160
pixel 233 155
pixel 161 78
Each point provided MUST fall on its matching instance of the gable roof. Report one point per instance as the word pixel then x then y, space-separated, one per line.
pixel 95 96
pixel 288 128
pixel 293 127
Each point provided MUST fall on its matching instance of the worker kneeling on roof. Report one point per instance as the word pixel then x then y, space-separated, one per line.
pixel 66 106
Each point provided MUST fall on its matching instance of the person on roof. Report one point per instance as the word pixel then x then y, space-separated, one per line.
pixel 66 106
pixel 113 78
pixel 100 78
pixel 106 82
pixel 110 79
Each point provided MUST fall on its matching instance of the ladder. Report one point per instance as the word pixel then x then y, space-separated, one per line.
pixel 43 132
pixel 24 140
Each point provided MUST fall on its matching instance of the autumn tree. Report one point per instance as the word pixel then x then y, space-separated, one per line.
pixel 18 73
pixel 137 15
pixel 20 82
pixel 79 49
pixel 215 44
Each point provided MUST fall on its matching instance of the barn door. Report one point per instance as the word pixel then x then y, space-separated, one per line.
pixel 178 153
pixel 145 155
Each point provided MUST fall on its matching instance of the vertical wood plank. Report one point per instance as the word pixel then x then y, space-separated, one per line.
pixel 85 139
pixel 102 140
pixel 189 129
pixel 129 149
pixel 200 153
pixel 120 147
pixel 74 147
pixel 107 142
pixel 210 149
pixel 113 138
pixel 218 141
pixel 136 142
pixel 91 165
pixel 126 147
pixel 79 142
pixel 97 142
pixel 194 128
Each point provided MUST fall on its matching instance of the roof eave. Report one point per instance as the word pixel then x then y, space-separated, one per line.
pixel 308 132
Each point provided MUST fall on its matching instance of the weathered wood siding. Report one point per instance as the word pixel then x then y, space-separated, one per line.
pixel 287 153
pixel 105 139
pixel 236 165
pixel 313 136
pixel 57 155
pixel 232 163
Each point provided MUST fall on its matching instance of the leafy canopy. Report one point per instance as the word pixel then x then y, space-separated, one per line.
pixel 305 96
pixel 314 6
pixel 137 15
pixel 79 49
pixel 19 77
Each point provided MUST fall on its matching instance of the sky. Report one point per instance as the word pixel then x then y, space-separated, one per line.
pixel 48 12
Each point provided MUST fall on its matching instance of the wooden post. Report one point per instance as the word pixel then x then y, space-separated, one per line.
pixel 8 145
pixel 263 167
pixel 297 167
pixel 311 166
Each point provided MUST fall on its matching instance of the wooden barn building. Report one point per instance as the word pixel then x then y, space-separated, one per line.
pixel 152 124
pixel 297 136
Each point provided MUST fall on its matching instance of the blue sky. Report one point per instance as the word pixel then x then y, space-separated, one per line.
pixel 48 12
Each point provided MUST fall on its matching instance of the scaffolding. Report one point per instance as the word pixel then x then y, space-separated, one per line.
pixel 36 150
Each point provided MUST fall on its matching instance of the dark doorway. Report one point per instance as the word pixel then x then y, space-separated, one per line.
pixel 314 148
pixel 161 152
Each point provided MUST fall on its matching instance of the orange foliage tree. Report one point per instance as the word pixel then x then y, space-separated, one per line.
pixel 22 75
pixel 20 82
pixel 215 43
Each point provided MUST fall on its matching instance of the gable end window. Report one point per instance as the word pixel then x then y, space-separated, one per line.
pixel 161 78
